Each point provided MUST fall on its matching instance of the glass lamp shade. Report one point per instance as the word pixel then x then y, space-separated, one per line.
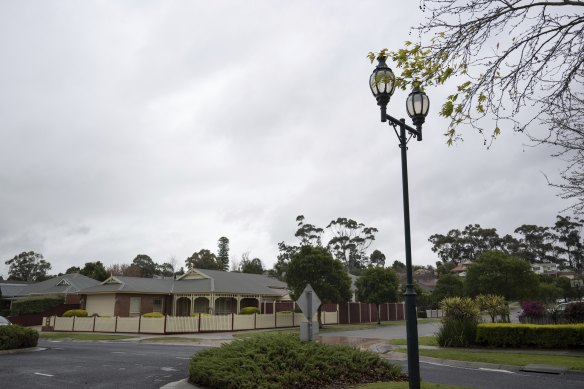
pixel 382 80
pixel 417 104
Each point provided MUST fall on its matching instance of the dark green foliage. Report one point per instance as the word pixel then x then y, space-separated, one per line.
pixel 327 276
pixel 249 311
pixel 146 264
pixel 204 259
pixel 574 313
pixel 457 333
pixel 281 361
pixel 75 312
pixel 497 273
pixel 251 266
pixel 94 270
pixel 448 285
pixel 531 335
pixel 28 267
pixel 223 252
pixel 32 305
pixel 14 336
pixel 377 285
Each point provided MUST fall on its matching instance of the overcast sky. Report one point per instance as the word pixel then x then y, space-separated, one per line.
pixel 156 127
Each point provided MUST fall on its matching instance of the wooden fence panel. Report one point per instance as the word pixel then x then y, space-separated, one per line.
pixel 265 321
pixel 64 324
pixel 181 324
pixel 284 319
pixel 243 322
pixel 216 323
pixel 152 325
pixel 105 324
pixel 128 324
pixel 84 324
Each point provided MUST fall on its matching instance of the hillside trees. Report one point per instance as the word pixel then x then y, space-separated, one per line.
pixel 346 239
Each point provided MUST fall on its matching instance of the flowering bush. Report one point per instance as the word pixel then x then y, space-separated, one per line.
pixel 532 309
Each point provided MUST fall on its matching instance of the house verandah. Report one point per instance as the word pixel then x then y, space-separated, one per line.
pixel 196 292
pixel 186 304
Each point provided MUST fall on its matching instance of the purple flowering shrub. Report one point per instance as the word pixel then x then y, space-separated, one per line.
pixel 533 309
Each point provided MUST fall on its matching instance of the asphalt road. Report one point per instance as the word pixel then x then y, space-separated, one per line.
pixel 71 364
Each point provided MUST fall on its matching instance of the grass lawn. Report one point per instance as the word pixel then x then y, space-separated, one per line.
pixel 506 358
pixel 404 385
pixel 81 336
pixel 169 339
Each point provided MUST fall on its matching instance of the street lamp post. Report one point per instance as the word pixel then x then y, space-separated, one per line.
pixel 382 83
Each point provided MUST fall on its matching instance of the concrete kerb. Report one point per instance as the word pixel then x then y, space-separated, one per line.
pixel 22 350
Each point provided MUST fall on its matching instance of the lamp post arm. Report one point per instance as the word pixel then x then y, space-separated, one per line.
pixel 416 132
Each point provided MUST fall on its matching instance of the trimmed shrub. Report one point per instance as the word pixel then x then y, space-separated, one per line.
pixel 153 314
pixel 269 361
pixel 249 311
pixel 202 314
pixel 33 305
pixel 14 336
pixel 531 335
pixel 75 312
pixel 284 312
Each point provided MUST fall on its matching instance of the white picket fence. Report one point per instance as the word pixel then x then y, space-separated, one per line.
pixel 183 324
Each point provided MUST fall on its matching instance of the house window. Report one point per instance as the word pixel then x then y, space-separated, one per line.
pixel 135 303
pixel 157 305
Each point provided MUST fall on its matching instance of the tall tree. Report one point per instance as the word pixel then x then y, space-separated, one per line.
pixel 519 65
pixel 349 242
pixel 146 265
pixel 165 269
pixel 466 245
pixel 28 266
pixel 568 233
pixel 73 269
pixel 377 258
pixel 251 266
pixel 223 252
pixel 536 243
pixel 377 285
pixel 307 233
pixel 317 267
pixel 204 259
pixel 495 272
pixel 94 270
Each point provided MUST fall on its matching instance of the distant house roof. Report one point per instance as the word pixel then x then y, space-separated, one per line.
pixel 65 284
pixel 11 289
pixel 460 268
pixel 195 281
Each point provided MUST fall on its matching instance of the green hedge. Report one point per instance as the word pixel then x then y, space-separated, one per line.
pixel 75 312
pixel 531 335
pixel 32 305
pixel 14 336
pixel 278 360
pixel 249 311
